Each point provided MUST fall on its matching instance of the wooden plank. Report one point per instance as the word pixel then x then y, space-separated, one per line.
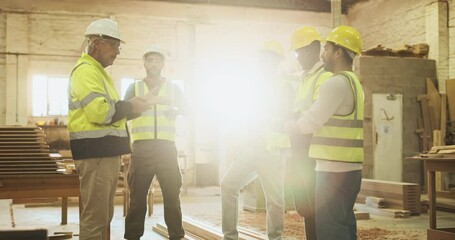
pixel 443 119
pixel 426 122
pixel 375 202
pixel 251 233
pixel 3 154
pixel 28 173
pixel 361 215
pixel 162 230
pixel 23 143
pixel 388 212
pixel 208 232
pixel 434 104
pixel 450 91
pixel 201 230
pixel 405 196
pixel 10 150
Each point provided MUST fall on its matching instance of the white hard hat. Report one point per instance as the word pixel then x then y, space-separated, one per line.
pixel 155 49
pixel 104 27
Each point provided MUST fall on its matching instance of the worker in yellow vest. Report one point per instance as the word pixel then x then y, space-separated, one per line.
pixel 154 150
pixel 306 43
pixel 263 149
pixel 336 121
pixel 97 127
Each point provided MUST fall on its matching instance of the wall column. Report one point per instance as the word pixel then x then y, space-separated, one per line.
pixel 16 69
pixel 437 37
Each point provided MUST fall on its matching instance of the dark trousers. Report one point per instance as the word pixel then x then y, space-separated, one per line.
pixel 303 183
pixel 336 193
pixel 150 158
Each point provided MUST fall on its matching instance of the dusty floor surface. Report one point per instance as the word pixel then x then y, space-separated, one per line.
pixel 204 205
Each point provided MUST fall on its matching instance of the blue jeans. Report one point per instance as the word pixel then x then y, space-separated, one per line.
pixel 250 163
pixel 336 193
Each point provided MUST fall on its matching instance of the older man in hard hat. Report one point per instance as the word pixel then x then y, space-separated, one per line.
pixel 336 121
pixel 306 44
pixel 262 152
pixel 97 127
pixel 154 150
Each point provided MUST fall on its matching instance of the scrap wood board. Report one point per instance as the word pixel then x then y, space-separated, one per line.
pixel 208 233
pixel 31 150
pixel 162 229
pixel 17 153
pixel 405 196
pixel 30 172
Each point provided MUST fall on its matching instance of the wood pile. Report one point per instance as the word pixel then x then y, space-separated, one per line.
pixel 432 126
pixel 196 230
pixel 24 150
pixel 386 198
pixel 417 51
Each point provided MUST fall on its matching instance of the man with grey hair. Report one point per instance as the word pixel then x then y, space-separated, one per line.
pixel 97 127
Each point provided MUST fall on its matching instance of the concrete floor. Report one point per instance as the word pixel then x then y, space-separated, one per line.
pixel 202 204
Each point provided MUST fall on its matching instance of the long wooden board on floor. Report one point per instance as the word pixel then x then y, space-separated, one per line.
pixel 208 232
pixel 403 196
pixel 162 230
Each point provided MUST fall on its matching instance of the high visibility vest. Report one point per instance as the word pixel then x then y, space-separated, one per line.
pixel 91 104
pixel 341 138
pixel 277 140
pixel 308 91
pixel 157 122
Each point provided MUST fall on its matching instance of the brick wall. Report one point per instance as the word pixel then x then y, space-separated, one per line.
pixel 389 23
pixel 400 76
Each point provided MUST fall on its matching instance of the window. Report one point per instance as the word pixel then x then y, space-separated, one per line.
pixel 125 83
pixel 49 95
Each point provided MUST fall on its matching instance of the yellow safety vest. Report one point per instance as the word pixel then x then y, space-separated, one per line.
pixel 277 140
pixel 91 104
pixel 155 123
pixel 308 91
pixel 341 138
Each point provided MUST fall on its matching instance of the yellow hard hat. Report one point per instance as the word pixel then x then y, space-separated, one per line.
pixel 347 37
pixel 273 46
pixel 304 36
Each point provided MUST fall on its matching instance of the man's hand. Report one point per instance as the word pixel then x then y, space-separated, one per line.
pixel 139 105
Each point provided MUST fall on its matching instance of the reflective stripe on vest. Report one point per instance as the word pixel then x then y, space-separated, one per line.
pixel 73 105
pixel 341 138
pixel 155 123
pixel 79 124
pixel 98 133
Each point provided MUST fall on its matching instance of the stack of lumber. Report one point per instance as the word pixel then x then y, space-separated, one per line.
pixel 418 51
pixel 433 124
pixel 196 230
pixel 440 152
pixel 23 150
pixel 388 198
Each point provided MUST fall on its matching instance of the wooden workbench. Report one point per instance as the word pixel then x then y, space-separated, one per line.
pixel 432 166
pixel 41 186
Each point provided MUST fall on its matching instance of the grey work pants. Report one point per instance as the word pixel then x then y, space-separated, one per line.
pixel 150 158
pixel 250 163
pixel 303 183
pixel 98 182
